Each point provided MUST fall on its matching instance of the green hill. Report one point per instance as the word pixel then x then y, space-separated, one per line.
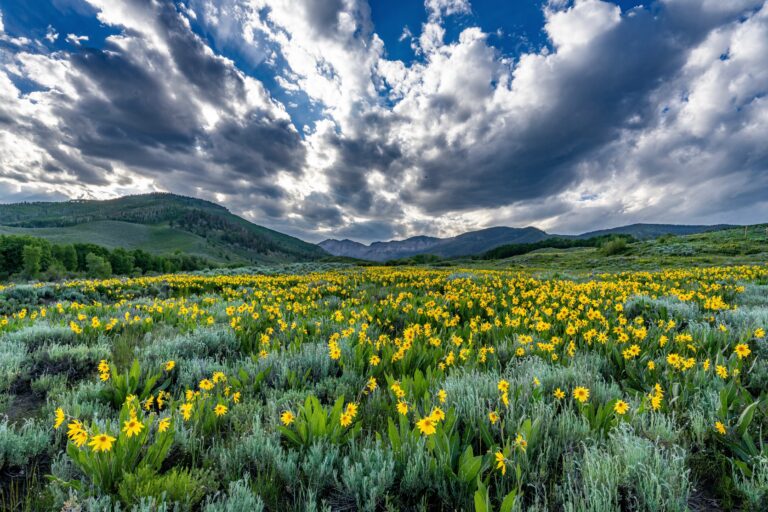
pixel 742 245
pixel 157 223
pixel 648 231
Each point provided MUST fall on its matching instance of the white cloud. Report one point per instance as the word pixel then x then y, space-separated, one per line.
pixel 15 41
pixel 75 39
pixel 436 9
pixel 51 35
pixel 647 115
pixel 580 24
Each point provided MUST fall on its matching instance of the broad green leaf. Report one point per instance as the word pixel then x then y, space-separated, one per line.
pixel 469 465
pixel 509 502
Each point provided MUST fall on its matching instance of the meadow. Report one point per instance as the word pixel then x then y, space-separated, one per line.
pixel 387 388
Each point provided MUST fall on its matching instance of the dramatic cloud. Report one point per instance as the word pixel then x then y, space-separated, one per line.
pixel 154 109
pixel 292 113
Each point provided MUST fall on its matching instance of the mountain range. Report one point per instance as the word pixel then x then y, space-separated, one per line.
pixel 478 242
pixel 163 223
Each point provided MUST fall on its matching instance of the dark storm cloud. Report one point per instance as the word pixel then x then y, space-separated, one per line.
pixel 357 158
pixel 320 209
pixel 212 77
pixel 368 230
pixel 129 112
pixel 258 146
pixel 130 109
pixel 599 93
pixel 598 126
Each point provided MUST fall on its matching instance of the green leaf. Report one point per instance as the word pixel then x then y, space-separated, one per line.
pixel 509 502
pixel 394 436
pixel 291 435
pixel 135 371
pixel 746 418
pixel 469 465
pixel 482 501
pixel 743 467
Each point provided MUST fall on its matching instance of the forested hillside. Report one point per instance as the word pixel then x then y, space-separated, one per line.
pixel 200 227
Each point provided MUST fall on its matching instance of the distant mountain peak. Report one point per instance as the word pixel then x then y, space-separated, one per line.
pixel 469 243
pixel 483 240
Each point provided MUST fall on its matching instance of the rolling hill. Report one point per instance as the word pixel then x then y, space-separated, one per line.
pixel 649 231
pixel 734 246
pixel 481 241
pixel 159 223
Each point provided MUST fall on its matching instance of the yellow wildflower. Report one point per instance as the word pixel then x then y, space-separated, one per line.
pixel 60 417
pixel 501 462
pixel 101 443
pixel 287 418
pixel 132 427
pixel 581 394
pixel 426 426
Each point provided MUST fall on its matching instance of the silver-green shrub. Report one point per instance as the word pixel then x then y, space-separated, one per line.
pixel 19 445
pixel 238 498
pixel 368 474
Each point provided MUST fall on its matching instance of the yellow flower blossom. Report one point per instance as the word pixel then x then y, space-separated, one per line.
pixel 60 417
pixel 501 462
pixel 581 394
pixel 132 427
pixel 287 417
pixel 426 426
pixel 186 410
pixel 742 350
pixel 101 443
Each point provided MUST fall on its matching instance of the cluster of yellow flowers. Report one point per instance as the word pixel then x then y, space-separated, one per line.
pixel 103 370
pixel 428 424
pixel 78 434
pixel 350 411
pixel 395 326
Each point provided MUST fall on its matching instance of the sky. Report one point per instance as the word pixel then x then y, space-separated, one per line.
pixel 383 119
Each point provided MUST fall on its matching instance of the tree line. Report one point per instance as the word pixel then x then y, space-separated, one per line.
pixel 608 244
pixel 36 258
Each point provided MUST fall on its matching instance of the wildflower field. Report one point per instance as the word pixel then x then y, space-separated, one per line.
pixel 387 389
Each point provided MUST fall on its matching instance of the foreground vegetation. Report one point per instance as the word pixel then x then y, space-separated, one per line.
pixel 387 389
